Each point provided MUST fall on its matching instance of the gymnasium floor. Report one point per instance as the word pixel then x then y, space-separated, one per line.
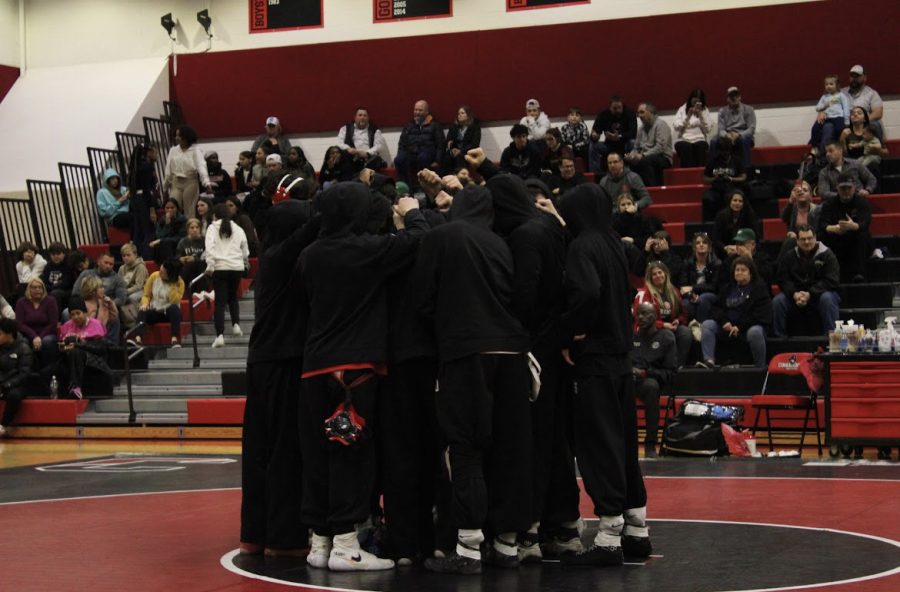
pixel 147 516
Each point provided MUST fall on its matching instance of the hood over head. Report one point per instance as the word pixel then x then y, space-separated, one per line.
pixel 283 219
pixel 109 174
pixel 586 207
pixel 380 213
pixel 344 208
pixel 473 205
pixel 513 203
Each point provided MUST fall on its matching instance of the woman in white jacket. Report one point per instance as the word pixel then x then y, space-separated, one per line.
pixel 227 258
pixel 692 126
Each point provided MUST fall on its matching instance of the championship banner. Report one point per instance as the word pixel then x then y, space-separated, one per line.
pixel 385 11
pixel 512 5
pixel 267 16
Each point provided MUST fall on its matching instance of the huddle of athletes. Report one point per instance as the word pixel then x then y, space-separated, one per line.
pixel 452 358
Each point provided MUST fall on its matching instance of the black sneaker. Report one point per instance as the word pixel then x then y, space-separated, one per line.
pixel 529 548
pixel 650 451
pixel 636 547
pixel 565 542
pixel 492 556
pixel 453 564
pixel 595 556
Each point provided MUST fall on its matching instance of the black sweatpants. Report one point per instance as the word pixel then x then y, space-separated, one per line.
pixel 410 456
pixel 648 392
pixel 606 443
pixel 483 411
pixel 271 474
pixel 226 283
pixel 337 479
pixel 13 398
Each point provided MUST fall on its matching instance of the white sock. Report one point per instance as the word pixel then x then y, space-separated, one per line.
pixel 347 541
pixel 636 522
pixel 610 531
pixel 505 544
pixel 468 542
pixel 534 528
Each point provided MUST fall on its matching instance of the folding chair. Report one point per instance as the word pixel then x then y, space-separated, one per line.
pixel 788 366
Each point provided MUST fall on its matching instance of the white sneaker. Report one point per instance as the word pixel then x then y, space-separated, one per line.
pixel 211 295
pixel 219 341
pixel 319 551
pixel 346 559
pixel 2 431
pixel 236 330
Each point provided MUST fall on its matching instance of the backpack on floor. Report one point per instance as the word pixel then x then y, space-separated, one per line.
pixel 697 429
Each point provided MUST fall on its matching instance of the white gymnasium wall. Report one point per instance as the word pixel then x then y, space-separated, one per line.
pixel 92 31
pixel 9 33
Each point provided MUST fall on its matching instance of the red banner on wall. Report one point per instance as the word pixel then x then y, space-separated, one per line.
pixel 528 4
pixel 385 11
pixel 280 15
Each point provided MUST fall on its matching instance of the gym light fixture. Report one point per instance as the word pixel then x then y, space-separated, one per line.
pixel 204 20
pixel 168 23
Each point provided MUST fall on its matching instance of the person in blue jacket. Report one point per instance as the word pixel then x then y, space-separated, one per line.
pixel 113 201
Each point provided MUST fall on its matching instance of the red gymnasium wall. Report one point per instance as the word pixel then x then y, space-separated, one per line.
pixel 776 54
pixel 8 77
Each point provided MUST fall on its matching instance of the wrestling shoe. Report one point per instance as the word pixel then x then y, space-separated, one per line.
pixel 636 547
pixel 347 559
pixel 319 551
pixel 453 564
pixel 595 556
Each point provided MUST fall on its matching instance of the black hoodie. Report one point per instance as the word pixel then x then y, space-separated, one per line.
pixel 343 275
pixel 280 326
pixel 538 245
pixel 597 285
pixel 464 279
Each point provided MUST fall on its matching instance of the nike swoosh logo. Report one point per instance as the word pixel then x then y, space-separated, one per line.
pixel 357 558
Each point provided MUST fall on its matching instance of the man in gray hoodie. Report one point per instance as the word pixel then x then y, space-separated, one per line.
pixel 652 148
pixel 619 179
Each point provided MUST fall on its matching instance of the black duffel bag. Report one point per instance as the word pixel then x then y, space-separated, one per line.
pixel 697 429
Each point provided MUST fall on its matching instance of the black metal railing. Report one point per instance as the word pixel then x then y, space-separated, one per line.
pixel 161 133
pixel 54 220
pixel 18 219
pixel 126 143
pixel 80 195
pixel 128 353
pixel 193 317
pixel 173 113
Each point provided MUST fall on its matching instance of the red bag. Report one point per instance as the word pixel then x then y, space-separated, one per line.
pixel 736 441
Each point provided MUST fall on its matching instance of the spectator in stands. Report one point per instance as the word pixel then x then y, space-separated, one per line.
pixel 37 316
pixel 259 167
pixel 736 215
pixel 161 300
pixel 742 311
pixel 800 210
pixel 737 121
pixel 238 216
pixel 724 175
pixel 653 366
pixel 620 179
pixel 522 157
pixel 203 213
pixel 808 277
pixel 227 258
pixel 745 246
pixel 190 253
pixel 335 167
pixel 105 271
pixel 362 143
pixel 617 125
pixel 79 262
pixel 421 144
pixel 463 135
pixel 554 152
pixel 575 134
pixel 113 201
pixel 6 311
pixel 658 248
pixel 58 276
pixel 218 177
pixel 101 307
pixel 535 120
pixel 16 365
pixel 144 186
pixel 566 177
pixel 671 314
pixel 633 227
pixel 692 126
pixel 844 227
pixel 833 115
pixel 864 180
pixel 274 140
pixel 297 163
pixel 700 278
pixel 29 265
pixel 134 273
pixel 184 165
pixel 274 165
pixel 863 95
pixel 852 137
pixel 652 151
pixel 243 174
pixel 82 345
pixel 873 151
pixel 169 230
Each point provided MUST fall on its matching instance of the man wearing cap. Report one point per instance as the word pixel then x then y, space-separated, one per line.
pixel 274 164
pixel 274 138
pixel 808 277
pixel 421 144
pixel 618 126
pixel 652 147
pixel 844 227
pixel 738 122
pixel 363 142
pixel 863 95
pixel 745 245
pixel 838 165
pixel 535 120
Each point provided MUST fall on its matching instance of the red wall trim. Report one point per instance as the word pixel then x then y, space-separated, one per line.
pixel 776 54
pixel 8 77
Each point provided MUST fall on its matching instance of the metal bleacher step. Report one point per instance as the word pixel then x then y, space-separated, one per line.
pixel 205 363
pixel 154 405
pixel 205 339
pixel 171 390
pixel 207 353
pixel 177 377
pixel 95 418
pixel 205 328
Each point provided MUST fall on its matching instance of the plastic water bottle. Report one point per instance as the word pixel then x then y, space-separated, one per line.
pixel 54 388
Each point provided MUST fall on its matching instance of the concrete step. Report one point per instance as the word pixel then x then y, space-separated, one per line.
pixel 207 353
pixel 93 418
pixel 170 390
pixel 220 363
pixel 176 377
pixel 154 405
pixel 246 305
pixel 205 339
pixel 209 328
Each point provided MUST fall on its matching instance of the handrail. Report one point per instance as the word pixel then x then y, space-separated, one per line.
pixel 196 363
pixel 132 415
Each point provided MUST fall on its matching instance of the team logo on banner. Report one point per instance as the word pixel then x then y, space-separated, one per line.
pixel 279 15
pixel 527 4
pixel 385 11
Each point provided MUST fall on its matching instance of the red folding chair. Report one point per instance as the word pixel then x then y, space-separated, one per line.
pixel 790 365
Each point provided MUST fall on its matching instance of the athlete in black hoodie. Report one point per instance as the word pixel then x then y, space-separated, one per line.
pixel 343 276
pixel 597 329
pixel 272 465
pixel 538 244
pixel 464 275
